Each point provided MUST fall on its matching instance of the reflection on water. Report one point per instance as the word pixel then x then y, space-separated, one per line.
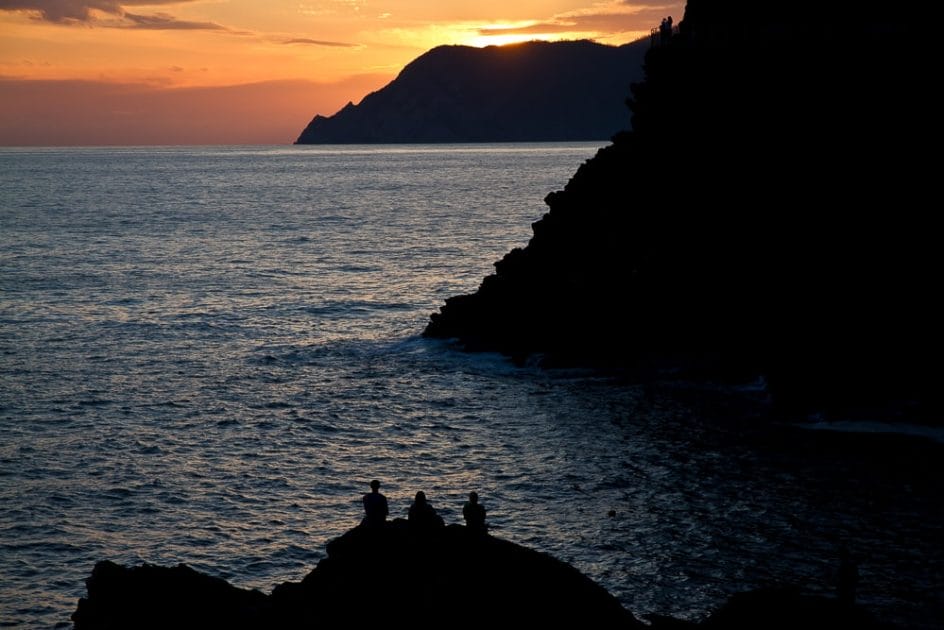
pixel 207 354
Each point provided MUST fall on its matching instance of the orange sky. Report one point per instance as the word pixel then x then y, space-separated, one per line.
pixel 246 71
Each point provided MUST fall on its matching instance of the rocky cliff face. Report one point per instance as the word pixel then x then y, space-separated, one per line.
pixel 391 576
pixel 766 214
pixel 395 576
pixel 526 92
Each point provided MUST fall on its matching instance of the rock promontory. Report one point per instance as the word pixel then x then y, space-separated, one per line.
pixel 398 576
pixel 371 577
pixel 535 91
pixel 767 214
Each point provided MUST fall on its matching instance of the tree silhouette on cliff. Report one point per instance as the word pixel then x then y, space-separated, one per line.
pixel 765 214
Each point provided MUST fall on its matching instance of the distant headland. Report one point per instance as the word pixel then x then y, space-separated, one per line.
pixel 536 91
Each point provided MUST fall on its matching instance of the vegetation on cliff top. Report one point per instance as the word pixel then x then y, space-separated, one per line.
pixel 766 214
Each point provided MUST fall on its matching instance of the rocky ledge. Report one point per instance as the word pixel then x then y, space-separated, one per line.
pixel 371 577
pixel 422 579
pixel 726 235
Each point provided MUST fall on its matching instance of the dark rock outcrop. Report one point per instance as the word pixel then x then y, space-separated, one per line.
pixel 766 214
pixel 371 578
pixel 535 91
pixel 395 576
pixel 150 596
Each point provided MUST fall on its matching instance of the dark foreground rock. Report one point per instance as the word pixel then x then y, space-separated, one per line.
pixel 371 578
pixel 766 214
pixel 448 577
pixel 150 596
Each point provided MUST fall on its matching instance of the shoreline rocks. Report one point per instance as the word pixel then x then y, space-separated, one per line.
pixel 371 576
pixel 395 575
pixel 766 215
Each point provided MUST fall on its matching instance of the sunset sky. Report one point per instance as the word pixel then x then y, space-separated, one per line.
pixel 246 71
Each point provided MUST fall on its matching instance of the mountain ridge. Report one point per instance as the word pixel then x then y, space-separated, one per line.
pixel 535 91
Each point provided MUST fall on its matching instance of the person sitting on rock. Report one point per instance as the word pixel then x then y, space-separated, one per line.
pixel 422 515
pixel 474 514
pixel 375 506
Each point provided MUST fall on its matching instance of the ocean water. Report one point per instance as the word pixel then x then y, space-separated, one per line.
pixel 207 353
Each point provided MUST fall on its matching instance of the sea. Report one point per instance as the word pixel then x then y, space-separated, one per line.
pixel 206 353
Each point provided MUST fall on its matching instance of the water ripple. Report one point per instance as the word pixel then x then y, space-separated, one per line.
pixel 216 382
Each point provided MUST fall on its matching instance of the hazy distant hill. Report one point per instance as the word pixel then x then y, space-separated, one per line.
pixel 524 92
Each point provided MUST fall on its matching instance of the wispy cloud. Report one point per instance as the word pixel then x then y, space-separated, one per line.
pixel 165 22
pixel 331 7
pixel 65 11
pixel 320 42
pixel 59 112
pixel 663 4
pixel 617 16
pixel 83 12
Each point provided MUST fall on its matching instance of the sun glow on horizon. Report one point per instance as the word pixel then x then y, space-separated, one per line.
pixel 56 51
pixel 482 40
pixel 481 35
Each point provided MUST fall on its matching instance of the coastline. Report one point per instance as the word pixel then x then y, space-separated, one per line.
pixel 426 578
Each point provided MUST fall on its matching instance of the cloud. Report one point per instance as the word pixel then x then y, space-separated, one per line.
pixel 59 112
pixel 600 23
pixel 613 17
pixel 66 11
pixel 319 42
pixel 165 22
pixel 81 12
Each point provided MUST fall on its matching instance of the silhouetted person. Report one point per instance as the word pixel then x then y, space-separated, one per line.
pixel 422 515
pixel 848 578
pixel 375 506
pixel 474 514
pixel 665 30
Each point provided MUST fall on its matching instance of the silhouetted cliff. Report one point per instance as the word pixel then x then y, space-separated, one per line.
pixel 398 577
pixel 768 213
pixel 391 576
pixel 518 93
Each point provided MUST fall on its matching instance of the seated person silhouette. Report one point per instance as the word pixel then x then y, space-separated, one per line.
pixel 474 514
pixel 375 506
pixel 422 515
